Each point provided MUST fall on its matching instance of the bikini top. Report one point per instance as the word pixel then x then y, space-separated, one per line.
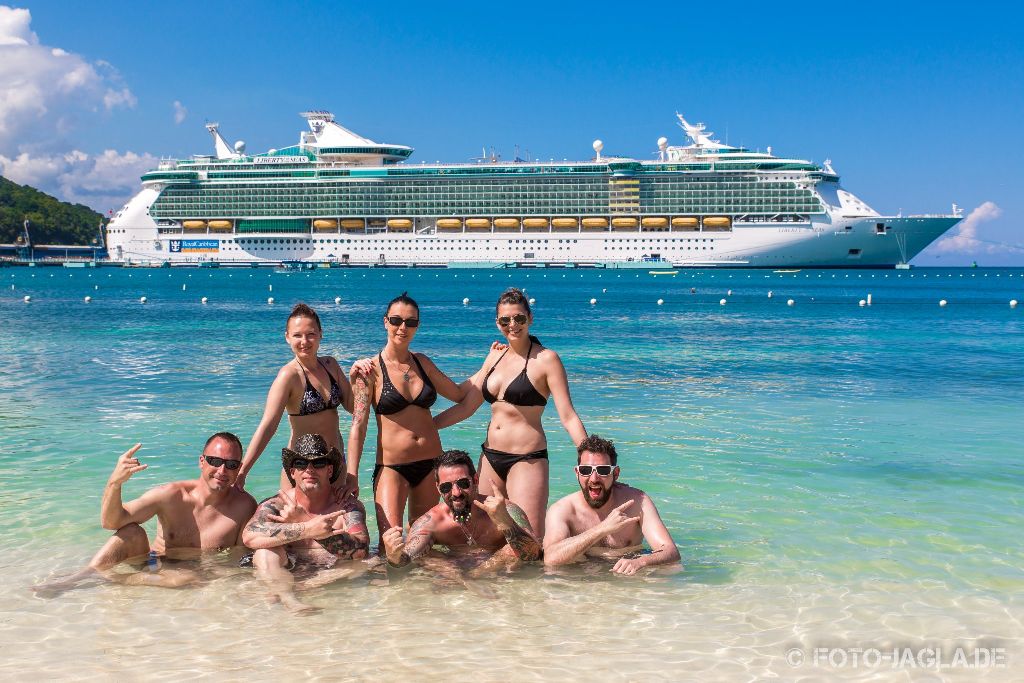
pixel 520 391
pixel 391 399
pixel 312 402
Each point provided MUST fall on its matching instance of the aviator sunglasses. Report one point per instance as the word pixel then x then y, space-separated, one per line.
pixel 602 470
pixel 397 321
pixel 518 319
pixel 303 463
pixel 463 484
pixel 215 462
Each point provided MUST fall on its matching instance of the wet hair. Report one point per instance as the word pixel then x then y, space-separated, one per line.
pixel 454 458
pixel 301 310
pixel 516 297
pixel 227 436
pixel 596 444
pixel 403 298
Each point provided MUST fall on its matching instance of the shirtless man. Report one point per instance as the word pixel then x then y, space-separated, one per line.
pixel 192 516
pixel 307 528
pixel 487 529
pixel 596 520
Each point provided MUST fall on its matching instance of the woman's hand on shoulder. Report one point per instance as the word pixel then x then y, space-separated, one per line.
pixel 498 346
pixel 362 368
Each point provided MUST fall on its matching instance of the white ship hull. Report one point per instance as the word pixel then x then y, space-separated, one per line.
pixel 340 198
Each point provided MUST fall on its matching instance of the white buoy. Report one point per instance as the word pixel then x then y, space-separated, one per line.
pixel 862 303
pixel 592 301
pixel 88 299
pixel 142 300
pixel 337 299
pixel 869 299
pixel 96 287
pixel 722 302
pixel 604 291
pixel 532 301
pixel 270 288
pixel 183 287
pixel 728 293
pixel 942 302
pixel 1013 303
pixel 270 300
pixel 27 299
pixel 769 294
pixel 203 300
pixel 465 302
pixel 661 301
pixel 790 302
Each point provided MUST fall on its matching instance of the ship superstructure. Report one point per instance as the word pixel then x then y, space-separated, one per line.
pixel 337 197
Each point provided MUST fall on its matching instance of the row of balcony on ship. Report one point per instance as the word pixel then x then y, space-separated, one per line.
pixel 501 224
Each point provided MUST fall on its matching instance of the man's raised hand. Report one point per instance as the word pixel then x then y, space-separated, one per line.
pixel 322 526
pixel 126 466
pixel 617 519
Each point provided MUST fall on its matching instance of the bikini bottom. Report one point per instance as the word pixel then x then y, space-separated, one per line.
pixel 501 462
pixel 412 472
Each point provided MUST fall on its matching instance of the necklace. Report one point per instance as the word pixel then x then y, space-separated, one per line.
pixel 469 537
pixel 404 373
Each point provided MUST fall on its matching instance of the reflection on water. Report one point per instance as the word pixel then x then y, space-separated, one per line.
pixel 833 475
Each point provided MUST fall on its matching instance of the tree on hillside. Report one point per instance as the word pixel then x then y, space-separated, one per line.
pixel 51 220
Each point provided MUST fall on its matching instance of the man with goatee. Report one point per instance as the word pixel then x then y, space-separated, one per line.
pixel 482 533
pixel 307 530
pixel 605 518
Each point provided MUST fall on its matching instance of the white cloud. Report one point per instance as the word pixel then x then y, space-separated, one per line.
pixel 46 92
pixel 44 88
pixel 101 181
pixel 966 239
pixel 14 27
pixel 180 112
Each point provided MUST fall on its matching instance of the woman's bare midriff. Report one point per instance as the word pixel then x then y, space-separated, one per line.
pixel 516 429
pixel 407 436
pixel 324 423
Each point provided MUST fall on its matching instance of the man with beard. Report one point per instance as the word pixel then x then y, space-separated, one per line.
pixel 307 529
pixel 489 531
pixel 596 521
pixel 193 516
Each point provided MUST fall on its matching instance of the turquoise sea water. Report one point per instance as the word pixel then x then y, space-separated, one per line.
pixel 833 474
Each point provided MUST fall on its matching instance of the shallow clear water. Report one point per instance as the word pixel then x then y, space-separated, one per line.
pixel 834 475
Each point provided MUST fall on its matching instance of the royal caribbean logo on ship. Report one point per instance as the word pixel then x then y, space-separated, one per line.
pixel 194 246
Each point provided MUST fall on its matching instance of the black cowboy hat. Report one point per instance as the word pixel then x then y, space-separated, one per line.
pixel 311 446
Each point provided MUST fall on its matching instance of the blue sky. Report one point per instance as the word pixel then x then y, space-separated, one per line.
pixel 916 108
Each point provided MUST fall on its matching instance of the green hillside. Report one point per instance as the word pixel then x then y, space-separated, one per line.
pixel 51 221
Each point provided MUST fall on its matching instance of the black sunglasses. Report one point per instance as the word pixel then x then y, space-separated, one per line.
pixel 303 463
pixel 214 461
pixel 518 319
pixel 463 484
pixel 602 470
pixel 397 321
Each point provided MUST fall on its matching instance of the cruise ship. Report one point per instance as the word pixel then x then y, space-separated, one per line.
pixel 337 198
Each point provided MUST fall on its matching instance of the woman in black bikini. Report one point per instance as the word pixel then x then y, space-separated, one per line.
pixel 517 381
pixel 407 441
pixel 310 388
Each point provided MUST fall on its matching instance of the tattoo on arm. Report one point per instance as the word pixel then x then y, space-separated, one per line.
pixel 360 400
pixel 354 542
pixel 264 527
pixel 419 541
pixel 520 536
